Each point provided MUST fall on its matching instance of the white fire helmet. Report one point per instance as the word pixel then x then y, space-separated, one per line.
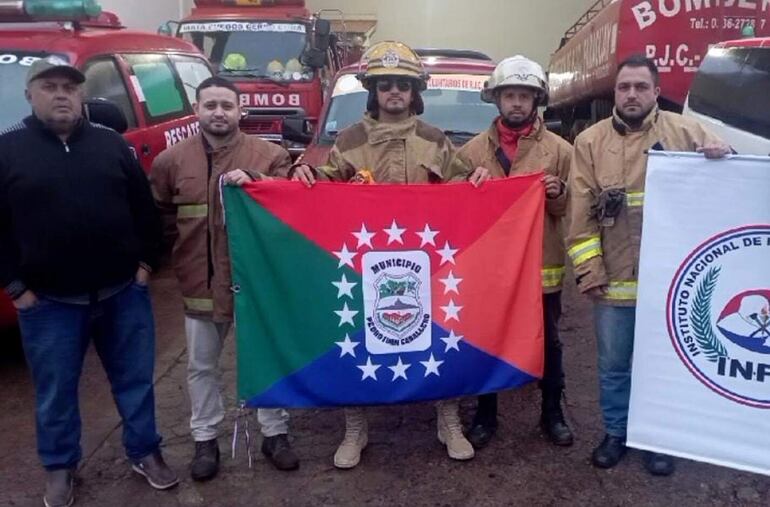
pixel 517 71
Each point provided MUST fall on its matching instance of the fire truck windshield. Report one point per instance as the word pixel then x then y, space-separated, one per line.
pixel 13 73
pixel 252 48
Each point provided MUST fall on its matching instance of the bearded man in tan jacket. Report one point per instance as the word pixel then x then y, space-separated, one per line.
pixel 606 185
pixel 185 180
pixel 516 143
pixel 391 145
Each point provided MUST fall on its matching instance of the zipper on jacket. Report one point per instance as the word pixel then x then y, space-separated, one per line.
pixel 66 146
pixel 209 261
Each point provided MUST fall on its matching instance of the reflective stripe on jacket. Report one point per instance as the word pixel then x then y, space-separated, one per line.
pixel 185 181
pixel 607 156
pixel 541 150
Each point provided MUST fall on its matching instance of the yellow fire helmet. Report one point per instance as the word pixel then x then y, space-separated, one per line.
pixel 391 58
pixel 234 61
pixel 293 65
pixel 274 67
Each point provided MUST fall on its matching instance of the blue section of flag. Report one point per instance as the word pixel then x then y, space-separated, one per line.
pixel 332 380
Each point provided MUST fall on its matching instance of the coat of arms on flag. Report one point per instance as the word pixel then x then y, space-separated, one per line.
pixel 360 295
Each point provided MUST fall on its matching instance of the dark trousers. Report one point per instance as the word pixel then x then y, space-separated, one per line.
pixel 552 382
pixel 56 336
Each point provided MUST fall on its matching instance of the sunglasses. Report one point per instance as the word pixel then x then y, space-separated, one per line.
pixel 385 85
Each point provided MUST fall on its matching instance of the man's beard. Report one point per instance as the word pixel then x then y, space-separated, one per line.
pixel 517 124
pixel 395 109
pixel 635 121
pixel 219 131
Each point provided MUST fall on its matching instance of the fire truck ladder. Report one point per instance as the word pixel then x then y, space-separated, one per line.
pixel 586 18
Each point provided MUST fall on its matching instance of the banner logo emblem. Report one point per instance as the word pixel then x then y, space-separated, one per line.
pixel 397 301
pixel 718 313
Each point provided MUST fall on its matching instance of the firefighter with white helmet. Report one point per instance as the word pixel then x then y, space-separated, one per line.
pixel 517 71
pixel 391 145
pixel 516 143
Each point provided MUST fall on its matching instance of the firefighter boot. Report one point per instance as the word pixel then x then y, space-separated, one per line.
pixel 356 437
pixel 484 423
pixel 450 430
pixel 552 419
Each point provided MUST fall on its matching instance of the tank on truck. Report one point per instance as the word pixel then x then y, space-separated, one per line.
pixel 586 18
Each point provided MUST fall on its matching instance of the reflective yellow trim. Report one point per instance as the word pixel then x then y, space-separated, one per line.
pixel 635 199
pixel 585 250
pixel 192 211
pixel 552 276
pixel 622 291
pixel 199 304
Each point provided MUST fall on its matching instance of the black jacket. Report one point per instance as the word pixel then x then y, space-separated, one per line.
pixel 75 217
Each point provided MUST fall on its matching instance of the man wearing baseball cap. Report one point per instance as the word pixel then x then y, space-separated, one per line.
pixel 79 235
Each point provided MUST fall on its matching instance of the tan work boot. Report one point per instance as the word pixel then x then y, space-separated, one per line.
pixel 348 453
pixel 450 430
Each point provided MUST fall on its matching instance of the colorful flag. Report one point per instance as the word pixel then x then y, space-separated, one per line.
pixel 377 294
pixel 700 386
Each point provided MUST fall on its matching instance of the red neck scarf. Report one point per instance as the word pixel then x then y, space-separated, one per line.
pixel 509 137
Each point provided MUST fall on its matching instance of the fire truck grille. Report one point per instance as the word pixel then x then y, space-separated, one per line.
pixel 255 126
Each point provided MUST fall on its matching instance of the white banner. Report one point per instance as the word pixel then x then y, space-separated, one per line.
pixel 701 370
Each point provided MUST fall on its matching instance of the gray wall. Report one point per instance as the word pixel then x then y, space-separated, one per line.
pixel 147 14
pixel 498 27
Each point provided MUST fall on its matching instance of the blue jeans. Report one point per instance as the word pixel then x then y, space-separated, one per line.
pixel 55 338
pixel 615 341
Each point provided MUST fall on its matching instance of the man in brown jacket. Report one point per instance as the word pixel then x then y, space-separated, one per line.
pixel 516 143
pixel 606 185
pixel 185 180
pixel 390 145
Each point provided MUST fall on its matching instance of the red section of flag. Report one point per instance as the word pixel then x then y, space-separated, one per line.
pixel 501 290
pixel 459 212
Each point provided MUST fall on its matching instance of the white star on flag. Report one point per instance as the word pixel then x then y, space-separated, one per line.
pixel 346 315
pixel 451 283
pixel 345 256
pixel 369 370
pixel 447 253
pixel 427 236
pixel 452 311
pixel 345 288
pixel 348 346
pixel 399 370
pixel 364 237
pixel 394 233
pixel 452 341
pixel 431 366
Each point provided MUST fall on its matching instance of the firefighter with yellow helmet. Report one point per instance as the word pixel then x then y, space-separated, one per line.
pixel 391 145
pixel 517 143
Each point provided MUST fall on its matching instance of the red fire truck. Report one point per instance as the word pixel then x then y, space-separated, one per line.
pixel 151 78
pixel 278 54
pixel 675 33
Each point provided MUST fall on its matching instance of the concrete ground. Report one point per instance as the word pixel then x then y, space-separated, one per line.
pixel 403 465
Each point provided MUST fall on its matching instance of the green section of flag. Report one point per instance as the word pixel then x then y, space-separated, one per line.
pixel 286 295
